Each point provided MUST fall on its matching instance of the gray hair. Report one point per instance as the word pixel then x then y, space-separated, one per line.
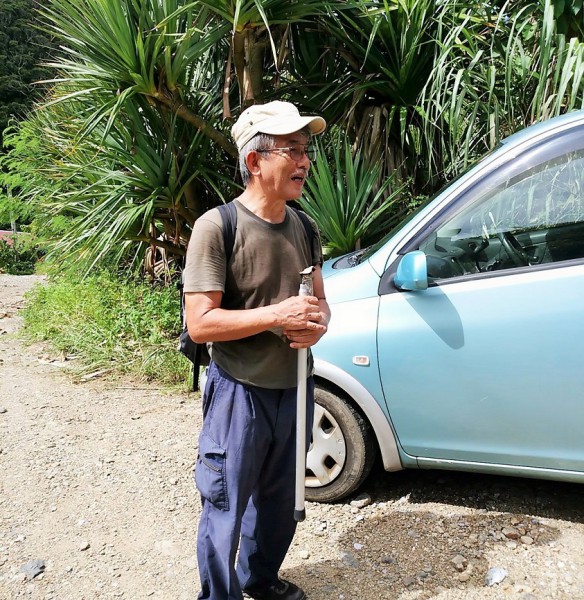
pixel 260 141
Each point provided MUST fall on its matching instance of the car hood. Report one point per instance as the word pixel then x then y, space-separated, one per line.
pixel 350 281
pixel 346 261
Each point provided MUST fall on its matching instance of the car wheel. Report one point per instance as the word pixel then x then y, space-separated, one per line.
pixel 342 449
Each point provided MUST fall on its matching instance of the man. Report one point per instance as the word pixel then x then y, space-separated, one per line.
pixel 250 311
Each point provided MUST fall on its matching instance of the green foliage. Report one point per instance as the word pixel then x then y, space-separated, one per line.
pixel 110 325
pixel 13 210
pixel 16 174
pixel 22 49
pixel 28 184
pixel 128 150
pixel 132 144
pixel 345 199
pixel 18 256
pixel 569 15
pixel 425 87
pixel 502 78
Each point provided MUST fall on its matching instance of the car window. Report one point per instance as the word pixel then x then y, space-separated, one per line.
pixel 528 215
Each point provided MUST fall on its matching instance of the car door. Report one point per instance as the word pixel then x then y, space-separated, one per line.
pixel 485 365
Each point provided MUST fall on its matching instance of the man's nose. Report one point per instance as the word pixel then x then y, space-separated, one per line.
pixel 304 161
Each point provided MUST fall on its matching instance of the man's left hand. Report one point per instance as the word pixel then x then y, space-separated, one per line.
pixel 304 338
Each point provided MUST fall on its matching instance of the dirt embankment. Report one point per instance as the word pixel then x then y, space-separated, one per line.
pixel 96 488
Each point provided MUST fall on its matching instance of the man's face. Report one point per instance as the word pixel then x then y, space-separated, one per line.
pixel 283 174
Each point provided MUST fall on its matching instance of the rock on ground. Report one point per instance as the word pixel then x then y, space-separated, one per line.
pixel 96 485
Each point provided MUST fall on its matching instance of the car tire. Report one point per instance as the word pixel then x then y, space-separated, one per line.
pixel 342 450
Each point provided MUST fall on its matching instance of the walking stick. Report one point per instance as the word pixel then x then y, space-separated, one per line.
pixel 299 510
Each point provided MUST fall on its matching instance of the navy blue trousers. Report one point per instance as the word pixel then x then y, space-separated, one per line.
pixel 245 473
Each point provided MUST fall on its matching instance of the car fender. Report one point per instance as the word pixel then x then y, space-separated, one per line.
pixel 369 407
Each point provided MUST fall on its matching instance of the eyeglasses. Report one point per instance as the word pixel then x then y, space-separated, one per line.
pixel 296 152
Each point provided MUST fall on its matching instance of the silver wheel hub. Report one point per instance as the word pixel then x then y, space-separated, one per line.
pixel 328 450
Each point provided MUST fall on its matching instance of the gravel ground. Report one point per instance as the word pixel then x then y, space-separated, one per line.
pixel 97 501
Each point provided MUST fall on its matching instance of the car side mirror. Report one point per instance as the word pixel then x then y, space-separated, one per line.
pixel 412 272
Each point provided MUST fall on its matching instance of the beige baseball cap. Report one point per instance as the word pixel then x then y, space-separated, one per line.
pixel 275 118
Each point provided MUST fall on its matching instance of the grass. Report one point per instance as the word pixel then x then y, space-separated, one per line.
pixel 110 325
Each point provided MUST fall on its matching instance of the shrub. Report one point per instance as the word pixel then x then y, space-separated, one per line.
pixel 18 256
pixel 123 327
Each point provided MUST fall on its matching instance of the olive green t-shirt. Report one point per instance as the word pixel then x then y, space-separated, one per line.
pixel 264 269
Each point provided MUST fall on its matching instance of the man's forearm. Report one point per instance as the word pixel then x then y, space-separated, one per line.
pixel 208 322
pixel 221 325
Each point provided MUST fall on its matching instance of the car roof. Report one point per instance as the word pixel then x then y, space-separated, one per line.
pixel 544 127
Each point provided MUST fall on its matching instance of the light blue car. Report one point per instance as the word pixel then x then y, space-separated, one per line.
pixel 458 341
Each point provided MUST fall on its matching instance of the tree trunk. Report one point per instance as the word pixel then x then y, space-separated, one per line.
pixel 249 49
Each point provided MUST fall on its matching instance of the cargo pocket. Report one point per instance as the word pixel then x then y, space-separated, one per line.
pixel 210 472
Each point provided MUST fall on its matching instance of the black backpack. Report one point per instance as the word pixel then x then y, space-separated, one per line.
pixel 197 353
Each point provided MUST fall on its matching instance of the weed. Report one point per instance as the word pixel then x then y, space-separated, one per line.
pixel 127 327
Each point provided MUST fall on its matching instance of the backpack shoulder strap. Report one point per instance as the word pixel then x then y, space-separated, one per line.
pixel 228 213
pixel 307 226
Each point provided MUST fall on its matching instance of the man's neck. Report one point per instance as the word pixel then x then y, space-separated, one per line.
pixel 268 209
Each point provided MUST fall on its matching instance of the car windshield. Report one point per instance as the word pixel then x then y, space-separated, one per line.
pixel 370 250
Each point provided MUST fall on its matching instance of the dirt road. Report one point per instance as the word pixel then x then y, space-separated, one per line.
pixel 96 483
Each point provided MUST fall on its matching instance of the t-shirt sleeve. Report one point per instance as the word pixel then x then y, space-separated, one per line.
pixel 205 264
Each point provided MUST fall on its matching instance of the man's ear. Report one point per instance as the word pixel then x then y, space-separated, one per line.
pixel 252 162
